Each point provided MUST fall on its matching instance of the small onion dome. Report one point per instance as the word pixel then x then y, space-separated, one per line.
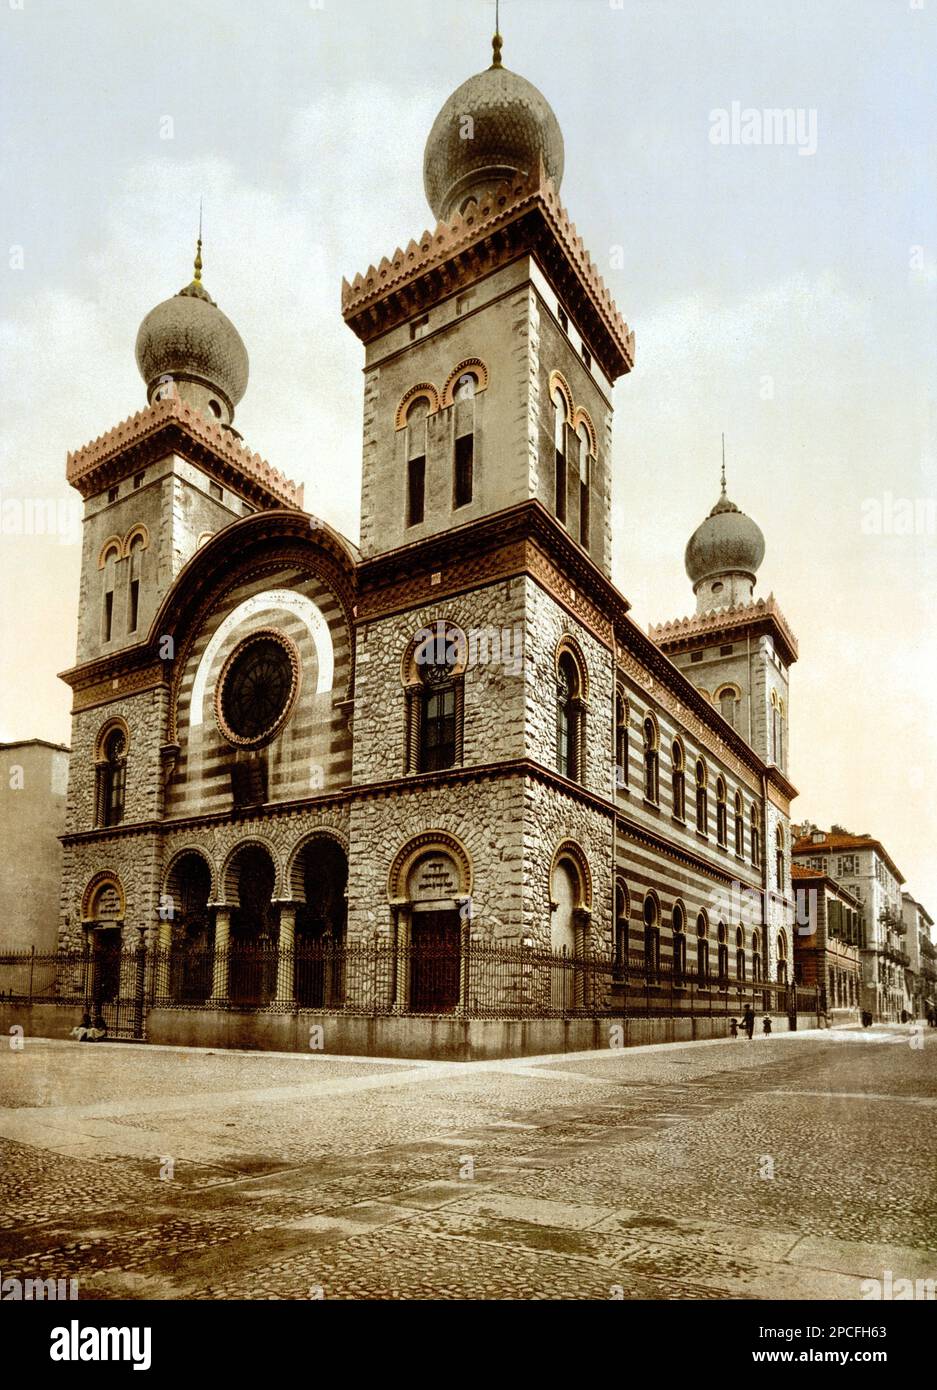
pixel 727 542
pixel 188 338
pixel 493 127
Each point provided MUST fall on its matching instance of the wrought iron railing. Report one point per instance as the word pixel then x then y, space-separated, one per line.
pixel 468 978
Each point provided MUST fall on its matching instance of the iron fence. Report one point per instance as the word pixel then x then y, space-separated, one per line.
pixel 469 978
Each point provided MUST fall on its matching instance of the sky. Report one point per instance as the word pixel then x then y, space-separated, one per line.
pixel 781 292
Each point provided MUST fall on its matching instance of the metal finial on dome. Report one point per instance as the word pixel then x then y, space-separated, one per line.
pixel 723 465
pixel 497 42
pixel 198 248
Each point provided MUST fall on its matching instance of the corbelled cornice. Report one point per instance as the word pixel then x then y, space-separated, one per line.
pixel 173 426
pixel 523 216
pixel 762 614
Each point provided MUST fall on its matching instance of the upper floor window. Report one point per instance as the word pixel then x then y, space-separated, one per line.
pixel 137 546
pixel 754 822
pixel 678 779
pixel 621 740
pixel 560 415
pixel 651 760
pixel 110 780
pixel 722 814
pixel 702 802
pixel 434 677
pixel 779 857
pixel 740 955
pixel 416 460
pixel 570 717
pixel 678 923
pixel 722 951
pixel 582 440
pixel 776 730
pixel 727 701
pixel 739 826
pixel 464 459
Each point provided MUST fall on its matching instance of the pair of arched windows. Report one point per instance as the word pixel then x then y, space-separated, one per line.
pixel 113 553
pixel 777 728
pixel 463 448
pixel 110 775
pixel 779 858
pixel 573 452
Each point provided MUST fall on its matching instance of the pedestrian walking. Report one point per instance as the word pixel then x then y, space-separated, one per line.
pixel 748 1021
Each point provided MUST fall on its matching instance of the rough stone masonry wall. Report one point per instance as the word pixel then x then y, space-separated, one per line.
pixel 550 818
pixel 134 859
pixel 145 716
pixel 487 816
pixel 493 724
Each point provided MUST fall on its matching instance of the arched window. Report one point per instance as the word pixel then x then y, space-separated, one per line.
pixel 678 779
pixel 582 440
pixel 435 679
pixel 740 955
pixel 779 857
pixel 702 804
pixel 775 728
pixel 651 937
pixel 727 700
pixel 722 814
pixel 110 580
pixel 570 718
pixel 702 949
pixel 622 914
pixel 559 438
pixel 782 733
pixel 137 546
pixel 722 949
pixel 782 958
pixel 111 776
pixel 621 739
pixel 754 822
pixel 464 456
pixel 416 460
pixel 756 958
pixel 739 826
pixel 678 921
pixel 651 761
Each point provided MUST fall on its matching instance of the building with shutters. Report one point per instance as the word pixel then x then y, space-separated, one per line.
pixel 452 734
pixel 828 936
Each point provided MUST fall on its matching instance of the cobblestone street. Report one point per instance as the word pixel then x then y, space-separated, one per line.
pixel 788 1167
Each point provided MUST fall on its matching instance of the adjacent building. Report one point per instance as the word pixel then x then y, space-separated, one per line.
pixel 862 865
pixel 922 954
pixel 828 935
pixel 33 786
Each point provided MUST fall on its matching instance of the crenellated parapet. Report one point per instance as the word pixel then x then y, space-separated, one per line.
pixel 671 635
pixel 521 216
pixel 171 425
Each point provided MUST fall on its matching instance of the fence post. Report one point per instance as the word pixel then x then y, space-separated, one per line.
pixel 139 977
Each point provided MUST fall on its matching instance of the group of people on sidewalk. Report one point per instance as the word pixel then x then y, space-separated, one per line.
pixel 88 1031
pixel 748 1024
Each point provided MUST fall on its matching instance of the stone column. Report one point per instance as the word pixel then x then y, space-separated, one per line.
pixel 219 993
pixel 401 932
pixel 286 946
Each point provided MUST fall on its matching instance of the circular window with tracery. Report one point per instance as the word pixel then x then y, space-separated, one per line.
pixel 257 689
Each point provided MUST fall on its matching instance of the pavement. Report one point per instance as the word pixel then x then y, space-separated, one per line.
pixel 794 1166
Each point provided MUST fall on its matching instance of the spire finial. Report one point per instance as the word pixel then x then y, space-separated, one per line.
pixel 198 247
pixel 723 465
pixel 496 42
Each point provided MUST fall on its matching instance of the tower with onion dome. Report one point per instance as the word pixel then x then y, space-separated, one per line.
pixel 160 484
pixel 735 648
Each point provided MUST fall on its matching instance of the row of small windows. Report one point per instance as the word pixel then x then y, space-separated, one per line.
pixel 700 967
pixel 678 781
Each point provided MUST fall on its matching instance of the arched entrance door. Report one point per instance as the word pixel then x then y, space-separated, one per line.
pixel 320 924
pixel 566 899
pixel 254 928
pixel 433 887
pixel 114 976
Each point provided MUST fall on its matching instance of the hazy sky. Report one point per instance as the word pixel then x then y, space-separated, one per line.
pixel 787 298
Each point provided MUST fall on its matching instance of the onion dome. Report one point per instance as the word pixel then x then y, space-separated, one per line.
pixel 188 339
pixel 493 127
pixel 727 542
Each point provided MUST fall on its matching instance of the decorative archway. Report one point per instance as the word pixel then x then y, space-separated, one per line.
pixel 430 887
pixel 186 937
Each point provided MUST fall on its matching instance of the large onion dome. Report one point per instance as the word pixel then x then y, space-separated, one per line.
pixel 188 339
pixel 727 542
pixel 496 125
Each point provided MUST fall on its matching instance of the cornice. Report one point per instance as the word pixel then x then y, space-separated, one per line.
pixel 762 614
pixel 173 426
pixel 521 216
